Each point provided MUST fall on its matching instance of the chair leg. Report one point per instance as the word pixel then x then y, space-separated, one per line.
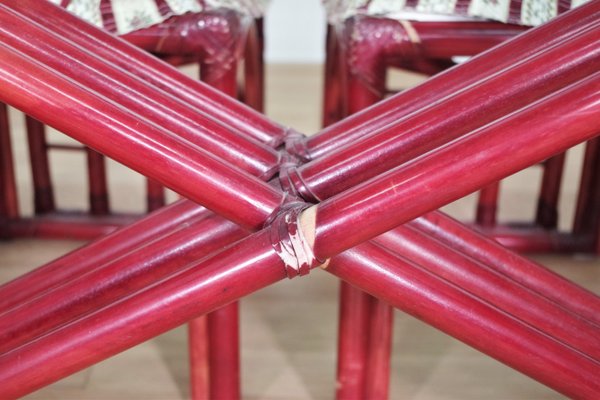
pixel 9 205
pixel 377 380
pixel 40 168
pixel 198 348
pixel 547 209
pixel 587 214
pixel 97 183
pixel 361 88
pixel 353 342
pixel 254 67
pixel 487 205
pixel 332 101
pixel 155 195
pixel 222 324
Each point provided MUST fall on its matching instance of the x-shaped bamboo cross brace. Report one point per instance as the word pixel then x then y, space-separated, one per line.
pixel 338 199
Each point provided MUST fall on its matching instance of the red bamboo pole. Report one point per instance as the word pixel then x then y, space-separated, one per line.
pixel 487 205
pixel 9 204
pixel 495 288
pixel 107 283
pixel 155 195
pixel 97 253
pixel 587 211
pixel 66 225
pixel 377 375
pixel 136 95
pixel 254 81
pixel 517 268
pixel 478 324
pixel 355 348
pixel 547 207
pixel 353 343
pixel 534 239
pixel 454 116
pixel 238 270
pixel 224 352
pixel 332 97
pixel 98 186
pixel 145 148
pixel 210 101
pixel 43 193
pixel 448 82
pixel 409 190
pixel 222 325
pixel 198 349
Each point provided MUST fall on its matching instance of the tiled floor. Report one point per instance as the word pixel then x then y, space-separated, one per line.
pixel 288 330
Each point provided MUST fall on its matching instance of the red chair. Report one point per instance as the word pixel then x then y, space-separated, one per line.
pixel 367 38
pixel 220 36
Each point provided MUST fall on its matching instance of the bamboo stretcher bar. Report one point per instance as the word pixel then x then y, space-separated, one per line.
pixel 201 288
pixel 97 253
pixel 516 267
pixel 136 95
pixel 143 147
pixel 480 325
pixel 410 190
pixel 115 279
pixel 448 82
pixel 457 114
pixel 495 288
pixel 210 101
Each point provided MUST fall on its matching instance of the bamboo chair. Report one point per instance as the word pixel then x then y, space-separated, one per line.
pixel 365 39
pixel 220 36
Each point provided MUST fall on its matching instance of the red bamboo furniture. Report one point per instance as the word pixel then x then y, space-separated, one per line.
pixel 184 261
pixel 219 39
pixel 363 43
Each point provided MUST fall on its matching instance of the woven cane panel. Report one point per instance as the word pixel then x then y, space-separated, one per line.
pixel 524 12
pixel 124 16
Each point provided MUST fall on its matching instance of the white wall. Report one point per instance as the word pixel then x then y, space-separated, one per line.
pixel 295 31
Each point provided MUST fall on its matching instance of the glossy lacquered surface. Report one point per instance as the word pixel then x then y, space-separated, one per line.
pixel 98 253
pixel 467 318
pixel 132 59
pixel 143 147
pixel 412 190
pixel 449 81
pixel 137 96
pixel 474 106
pixel 228 275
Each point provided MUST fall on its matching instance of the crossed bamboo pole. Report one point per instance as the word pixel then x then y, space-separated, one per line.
pixel 191 285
